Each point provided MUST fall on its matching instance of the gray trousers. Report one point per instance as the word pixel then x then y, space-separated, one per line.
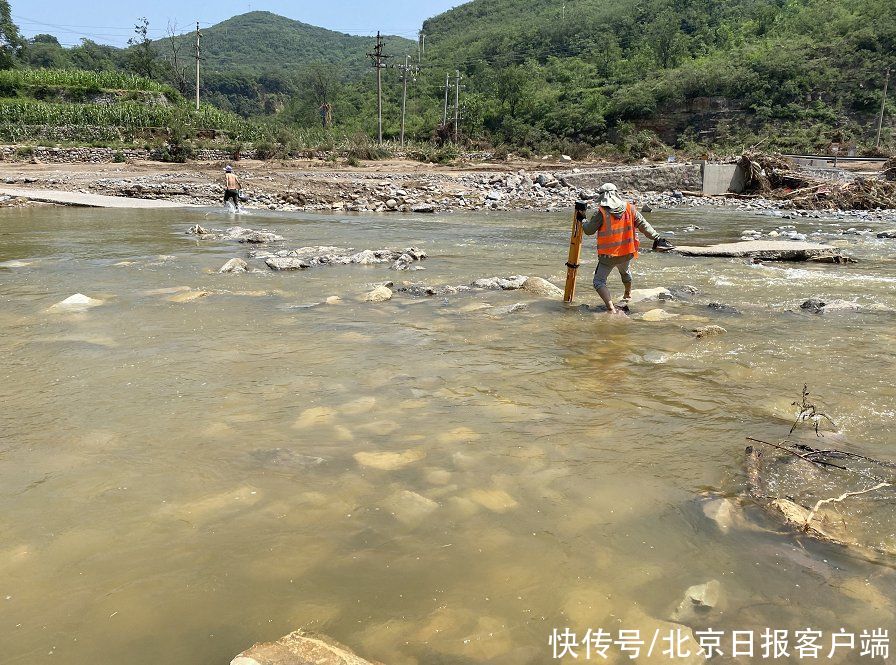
pixel 605 265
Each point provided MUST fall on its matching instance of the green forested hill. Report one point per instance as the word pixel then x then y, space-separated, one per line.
pixel 802 72
pixel 261 42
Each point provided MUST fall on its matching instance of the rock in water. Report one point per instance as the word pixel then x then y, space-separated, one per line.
pixel 286 263
pixel 75 303
pixel 389 461
pixel 234 265
pixel 708 331
pixel 379 294
pixel 658 315
pixel 640 295
pixel 300 648
pixel 698 600
pixel 542 287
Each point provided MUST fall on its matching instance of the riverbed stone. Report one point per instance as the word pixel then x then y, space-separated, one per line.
pixel 658 315
pixel 409 507
pixel 234 265
pixel 698 601
pixel 541 287
pixel 764 250
pixel 286 263
pixel 460 434
pixel 300 648
pixel 333 300
pixel 387 460
pixel 505 283
pixel 495 500
pixel 641 295
pixel 188 296
pixel 381 293
pixel 721 511
pixel 708 331
pixel 76 303
pixel 316 415
pixel 887 234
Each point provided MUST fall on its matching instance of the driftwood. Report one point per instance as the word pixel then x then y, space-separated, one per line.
pixel 816 522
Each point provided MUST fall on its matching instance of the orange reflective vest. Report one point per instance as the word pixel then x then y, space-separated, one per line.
pixel 618 236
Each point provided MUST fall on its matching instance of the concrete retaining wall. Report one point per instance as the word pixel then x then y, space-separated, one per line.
pixel 642 178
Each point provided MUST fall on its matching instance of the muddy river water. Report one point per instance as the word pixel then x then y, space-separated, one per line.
pixel 179 480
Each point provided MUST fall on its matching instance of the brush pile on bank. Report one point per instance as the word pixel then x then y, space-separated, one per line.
pixel 774 176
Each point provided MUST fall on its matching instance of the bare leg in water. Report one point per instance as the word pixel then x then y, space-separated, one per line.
pixel 604 294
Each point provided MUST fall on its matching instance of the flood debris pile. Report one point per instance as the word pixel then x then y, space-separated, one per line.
pixel 776 177
pixel 308 257
pixel 836 496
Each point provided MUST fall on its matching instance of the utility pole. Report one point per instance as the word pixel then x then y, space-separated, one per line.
pixel 405 72
pixel 456 101
pixel 198 37
pixel 445 109
pixel 883 102
pixel 378 58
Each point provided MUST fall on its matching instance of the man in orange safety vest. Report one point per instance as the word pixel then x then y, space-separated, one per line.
pixel 616 223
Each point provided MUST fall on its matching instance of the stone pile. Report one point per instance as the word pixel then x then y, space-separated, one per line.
pixel 307 257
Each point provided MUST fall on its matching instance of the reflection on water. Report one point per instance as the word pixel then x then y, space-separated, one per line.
pixel 424 479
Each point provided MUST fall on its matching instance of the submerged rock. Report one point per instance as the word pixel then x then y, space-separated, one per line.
pixel 722 512
pixel 887 234
pixel 658 315
pixel 188 296
pixel 234 266
pixel 698 600
pixel 389 461
pixel 708 331
pixel 661 293
pixel 409 507
pixel 300 648
pixel 722 308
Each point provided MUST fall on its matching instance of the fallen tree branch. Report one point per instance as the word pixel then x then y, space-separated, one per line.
pixel 838 499
pixel 796 454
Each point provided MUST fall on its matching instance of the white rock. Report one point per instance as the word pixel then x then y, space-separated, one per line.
pixel 234 265
pixel 75 303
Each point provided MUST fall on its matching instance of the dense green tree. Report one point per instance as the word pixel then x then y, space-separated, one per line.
pixel 11 41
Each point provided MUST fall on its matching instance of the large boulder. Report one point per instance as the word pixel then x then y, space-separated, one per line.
pixel 300 648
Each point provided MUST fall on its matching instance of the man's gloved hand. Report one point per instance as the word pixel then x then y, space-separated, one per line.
pixel 662 245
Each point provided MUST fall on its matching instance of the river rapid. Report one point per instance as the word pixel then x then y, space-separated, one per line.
pixel 179 480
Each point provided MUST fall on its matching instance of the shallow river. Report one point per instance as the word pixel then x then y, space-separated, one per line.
pixel 179 480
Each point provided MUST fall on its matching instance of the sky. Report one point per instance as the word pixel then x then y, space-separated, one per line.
pixel 108 22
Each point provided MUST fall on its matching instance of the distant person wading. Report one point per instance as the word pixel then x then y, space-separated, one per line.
pixel 231 187
pixel 616 223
